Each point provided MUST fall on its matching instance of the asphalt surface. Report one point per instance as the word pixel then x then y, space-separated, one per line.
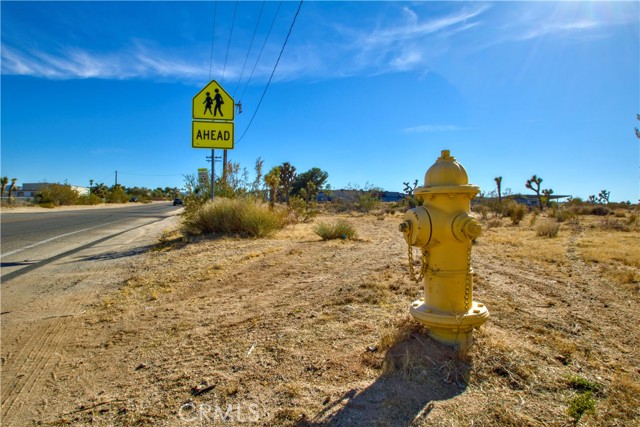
pixel 29 240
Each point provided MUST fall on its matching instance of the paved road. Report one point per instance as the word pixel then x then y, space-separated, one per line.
pixel 30 240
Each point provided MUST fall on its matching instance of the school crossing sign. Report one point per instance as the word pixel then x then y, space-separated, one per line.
pixel 213 103
pixel 213 113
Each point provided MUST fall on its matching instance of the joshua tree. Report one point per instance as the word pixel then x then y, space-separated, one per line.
pixel 4 181
pixel 272 180
pixel 498 181
pixel 11 187
pixel 534 185
pixel 603 197
pixel 90 185
pixel 255 186
pixel 287 176
pixel 547 193
pixel 637 131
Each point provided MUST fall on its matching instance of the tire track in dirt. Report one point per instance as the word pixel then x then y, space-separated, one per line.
pixel 34 357
pixel 57 303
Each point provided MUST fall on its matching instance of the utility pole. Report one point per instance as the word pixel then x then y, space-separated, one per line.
pixel 212 159
pixel 224 166
pixel 116 179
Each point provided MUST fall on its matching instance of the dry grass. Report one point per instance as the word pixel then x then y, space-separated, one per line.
pixel 547 229
pixel 601 246
pixel 318 333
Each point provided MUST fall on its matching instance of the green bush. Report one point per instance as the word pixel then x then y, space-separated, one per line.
pixel 340 229
pixel 89 199
pixel 583 403
pixel 57 195
pixel 582 385
pixel 303 210
pixel 367 202
pixel 117 195
pixel 244 216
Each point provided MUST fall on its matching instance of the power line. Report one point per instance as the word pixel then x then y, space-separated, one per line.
pixel 235 8
pixel 261 50
pixel 249 50
pixel 274 70
pixel 144 174
pixel 213 33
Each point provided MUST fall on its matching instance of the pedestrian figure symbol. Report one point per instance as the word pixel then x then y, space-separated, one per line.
pixel 208 103
pixel 219 102
pixel 213 103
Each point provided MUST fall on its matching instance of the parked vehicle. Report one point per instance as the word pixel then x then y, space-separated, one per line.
pixel 177 201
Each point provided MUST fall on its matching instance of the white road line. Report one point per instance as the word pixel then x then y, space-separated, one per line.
pixel 57 237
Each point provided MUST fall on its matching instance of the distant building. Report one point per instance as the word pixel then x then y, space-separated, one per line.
pixel 352 195
pixel 532 199
pixel 29 190
pixel 521 199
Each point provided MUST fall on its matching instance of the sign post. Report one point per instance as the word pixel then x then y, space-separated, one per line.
pixel 212 110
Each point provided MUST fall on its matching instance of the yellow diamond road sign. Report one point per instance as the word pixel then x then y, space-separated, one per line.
pixel 213 103
pixel 212 135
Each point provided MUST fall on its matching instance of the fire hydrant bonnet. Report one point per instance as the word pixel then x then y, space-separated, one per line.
pixel 446 171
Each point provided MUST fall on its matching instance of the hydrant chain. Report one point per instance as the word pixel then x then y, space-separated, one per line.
pixel 424 263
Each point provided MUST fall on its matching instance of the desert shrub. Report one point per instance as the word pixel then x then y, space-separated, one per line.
pixel 583 403
pixel 582 385
pixel 117 195
pixel 562 215
pixel 496 222
pixel 57 195
pixel 547 229
pixel 367 202
pixel 600 210
pixel 482 210
pixel 340 229
pixel 534 218
pixel 303 210
pixel 89 199
pixel 616 225
pixel 244 216
pixel 515 211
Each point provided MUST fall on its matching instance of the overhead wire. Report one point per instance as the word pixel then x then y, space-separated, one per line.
pixel 233 21
pixel 213 33
pixel 273 71
pixel 255 30
pixel 273 21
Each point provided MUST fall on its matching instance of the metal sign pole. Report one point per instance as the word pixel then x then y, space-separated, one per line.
pixel 213 172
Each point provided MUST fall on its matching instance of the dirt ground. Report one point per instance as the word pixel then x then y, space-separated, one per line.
pixel 295 331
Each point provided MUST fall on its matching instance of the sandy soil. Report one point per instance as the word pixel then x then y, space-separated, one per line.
pixel 292 330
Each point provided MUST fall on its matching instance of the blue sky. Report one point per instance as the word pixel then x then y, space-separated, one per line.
pixel 371 92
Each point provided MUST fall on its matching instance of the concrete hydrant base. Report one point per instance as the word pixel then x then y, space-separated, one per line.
pixel 449 328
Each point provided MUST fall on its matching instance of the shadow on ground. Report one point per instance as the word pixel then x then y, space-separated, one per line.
pixel 418 373
pixel 118 255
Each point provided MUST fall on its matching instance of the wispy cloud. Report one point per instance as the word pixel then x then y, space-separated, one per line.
pixel 136 61
pixel 412 41
pixel 547 29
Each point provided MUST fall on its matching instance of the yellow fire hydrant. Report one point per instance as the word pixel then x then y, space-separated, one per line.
pixel 443 229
